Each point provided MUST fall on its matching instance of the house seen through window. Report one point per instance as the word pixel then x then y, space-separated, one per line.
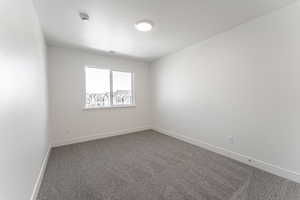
pixel 107 88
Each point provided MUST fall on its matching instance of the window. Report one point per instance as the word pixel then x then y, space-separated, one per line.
pixel 106 88
pixel 97 87
pixel 122 88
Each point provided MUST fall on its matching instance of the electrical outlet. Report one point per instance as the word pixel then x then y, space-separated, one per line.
pixel 230 139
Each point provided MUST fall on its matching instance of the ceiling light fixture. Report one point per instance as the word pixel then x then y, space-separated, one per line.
pixel 144 25
pixel 84 16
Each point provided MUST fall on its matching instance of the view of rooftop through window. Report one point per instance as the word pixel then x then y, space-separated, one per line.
pixel 103 92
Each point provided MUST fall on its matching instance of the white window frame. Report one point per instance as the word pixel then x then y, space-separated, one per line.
pixel 111 90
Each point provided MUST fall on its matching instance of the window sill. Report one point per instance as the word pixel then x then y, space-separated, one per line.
pixel 109 107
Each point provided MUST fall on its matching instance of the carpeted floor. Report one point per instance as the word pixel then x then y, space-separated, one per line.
pixel 148 165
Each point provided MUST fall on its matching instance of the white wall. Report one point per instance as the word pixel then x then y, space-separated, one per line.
pixel 23 101
pixel 68 121
pixel 243 83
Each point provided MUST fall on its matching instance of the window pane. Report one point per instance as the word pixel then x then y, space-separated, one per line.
pixel 97 87
pixel 122 88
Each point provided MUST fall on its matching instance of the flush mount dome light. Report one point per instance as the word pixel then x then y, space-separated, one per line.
pixel 144 25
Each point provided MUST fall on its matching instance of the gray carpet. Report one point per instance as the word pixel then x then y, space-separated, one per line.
pixel 148 165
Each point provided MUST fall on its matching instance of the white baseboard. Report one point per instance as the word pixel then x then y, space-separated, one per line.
pixel 40 176
pixel 99 136
pixel 285 173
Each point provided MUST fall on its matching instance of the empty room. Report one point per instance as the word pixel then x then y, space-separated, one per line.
pixel 150 100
